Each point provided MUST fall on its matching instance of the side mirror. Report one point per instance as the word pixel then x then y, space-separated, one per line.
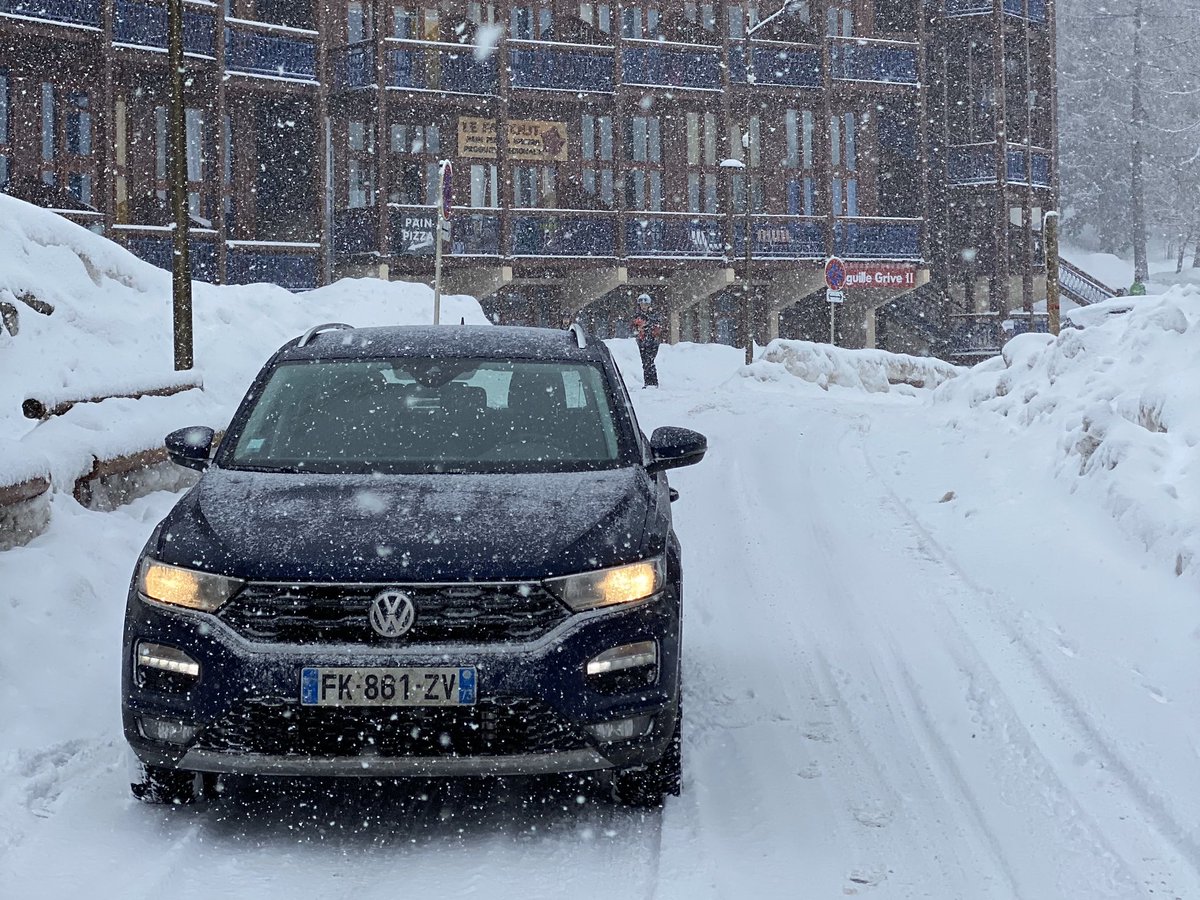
pixel 191 447
pixel 672 448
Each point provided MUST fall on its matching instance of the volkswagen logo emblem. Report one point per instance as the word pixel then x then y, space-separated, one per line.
pixel 392 613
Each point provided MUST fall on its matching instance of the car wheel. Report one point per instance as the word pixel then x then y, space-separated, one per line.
pixel 646 787
pixel 161 785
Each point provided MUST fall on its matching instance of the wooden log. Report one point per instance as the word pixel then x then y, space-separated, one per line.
pixel 42 410
pixel 12 494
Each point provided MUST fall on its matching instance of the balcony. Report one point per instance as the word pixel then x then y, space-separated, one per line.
pixel 1016 165
pixel 868 238
pixel 474 233
pixel 650 64
pixel 1017 8
pixel 956 8
pixel 428 66
pixel 292 267
pixel 971 164
pixel 857 59
pixel 785 65
pixel 781 237
pixel 563 233
pixel 560 68
pixel 145 25
pixel 658 235
pixel 249 51
pixel 66 12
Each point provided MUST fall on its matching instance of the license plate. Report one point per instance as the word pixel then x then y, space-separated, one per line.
pixel 387 687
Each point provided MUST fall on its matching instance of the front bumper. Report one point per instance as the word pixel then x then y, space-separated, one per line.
pixel 241 681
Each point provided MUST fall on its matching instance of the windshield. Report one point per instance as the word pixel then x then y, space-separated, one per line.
pixel 430 415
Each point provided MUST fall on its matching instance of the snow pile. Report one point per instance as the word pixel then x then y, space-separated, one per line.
pixel 873 371
pixel 92 320
pixel 1118 400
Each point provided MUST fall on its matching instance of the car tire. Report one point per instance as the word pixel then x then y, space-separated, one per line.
pixel 160 785
pixel 646 787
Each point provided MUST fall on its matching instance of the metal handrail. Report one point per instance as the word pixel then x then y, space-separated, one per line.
pixel 317 329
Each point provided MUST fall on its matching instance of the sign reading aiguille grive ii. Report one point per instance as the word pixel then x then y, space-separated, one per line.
pixel 527 139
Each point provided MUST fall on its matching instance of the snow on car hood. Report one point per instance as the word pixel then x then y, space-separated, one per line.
pixel 283 527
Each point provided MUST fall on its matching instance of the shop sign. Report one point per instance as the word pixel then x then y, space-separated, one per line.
pixel 880 275
pixel 414 237
pixel 528 140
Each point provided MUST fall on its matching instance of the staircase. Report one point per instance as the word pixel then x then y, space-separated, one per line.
pixel 1080 287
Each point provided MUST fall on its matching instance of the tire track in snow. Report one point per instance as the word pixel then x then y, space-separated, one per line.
pixel 1150 808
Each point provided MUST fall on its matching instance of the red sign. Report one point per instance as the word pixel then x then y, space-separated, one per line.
pixel 880 275
pixel 835 274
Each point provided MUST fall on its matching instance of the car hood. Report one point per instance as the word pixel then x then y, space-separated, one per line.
pixel 414 528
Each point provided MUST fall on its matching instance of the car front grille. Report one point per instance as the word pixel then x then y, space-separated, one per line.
pixel 339 614
pixel 493 727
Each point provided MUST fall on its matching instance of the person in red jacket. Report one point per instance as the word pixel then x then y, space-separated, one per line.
pixel 648 330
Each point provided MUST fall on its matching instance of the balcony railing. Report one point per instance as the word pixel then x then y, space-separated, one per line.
pixel 354 66
pixel 423 65
pixel 559 68
pixel 563 233
pixel 649 235
pixel 856 59
pixel 71 12
pixel 156 248
pixel 650 64
pixel 1016 165
pixel 145 25
pixel 1042 174
pixel 973 164
pixel 355 232
pixel 777 64
pixel 781 237
pixel 292 268
pixel 865 238
pixel 271 55
pixel 968 7
pixel 474 233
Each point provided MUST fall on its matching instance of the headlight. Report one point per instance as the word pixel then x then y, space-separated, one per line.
pixel 184 587
pixel 610 587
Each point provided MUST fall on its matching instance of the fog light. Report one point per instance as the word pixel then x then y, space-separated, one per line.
pixel 166 659
pixel 167 732
pixel 627 656
pixel 621 729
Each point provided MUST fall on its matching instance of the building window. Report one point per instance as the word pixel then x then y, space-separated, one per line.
pixel 49 138
pixel 841 19
pixel 79 126
pixel 535 186
pixel 194 129
pixel 360 170
pixel 843 164
pixel 414 168
pixel 702 155
pixel 640 21
pixel 798 161
pixel 747 149
pixel 598 15
pixel 739 16
pixel 484 186
pixel 702 14
pixel 160 150
pixel 596 150
pixel 530 23
pixel 4 148
pixel 644 180
pixel 358 24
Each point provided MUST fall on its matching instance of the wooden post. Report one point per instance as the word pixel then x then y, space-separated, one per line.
pixel 181 281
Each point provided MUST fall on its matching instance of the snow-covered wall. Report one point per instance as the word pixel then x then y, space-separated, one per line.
pixel 110 332
pixel 1117 405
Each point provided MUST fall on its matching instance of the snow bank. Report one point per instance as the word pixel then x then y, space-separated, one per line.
pixel 874 371
pixel 1118 402
pixel 93 320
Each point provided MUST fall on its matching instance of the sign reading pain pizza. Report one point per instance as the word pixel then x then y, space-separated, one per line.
pixel 528 140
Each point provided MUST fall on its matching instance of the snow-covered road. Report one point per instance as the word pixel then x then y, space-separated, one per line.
pixel 916 667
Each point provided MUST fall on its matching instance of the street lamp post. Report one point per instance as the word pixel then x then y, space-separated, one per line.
pixel 181 270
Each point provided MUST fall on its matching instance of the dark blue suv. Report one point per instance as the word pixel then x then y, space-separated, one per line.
pixel 415 552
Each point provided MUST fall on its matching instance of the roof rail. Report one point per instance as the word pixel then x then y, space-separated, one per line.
pixel 317 329
pixel 580 336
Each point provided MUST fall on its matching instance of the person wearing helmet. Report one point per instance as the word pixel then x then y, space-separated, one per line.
pixel 648 330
